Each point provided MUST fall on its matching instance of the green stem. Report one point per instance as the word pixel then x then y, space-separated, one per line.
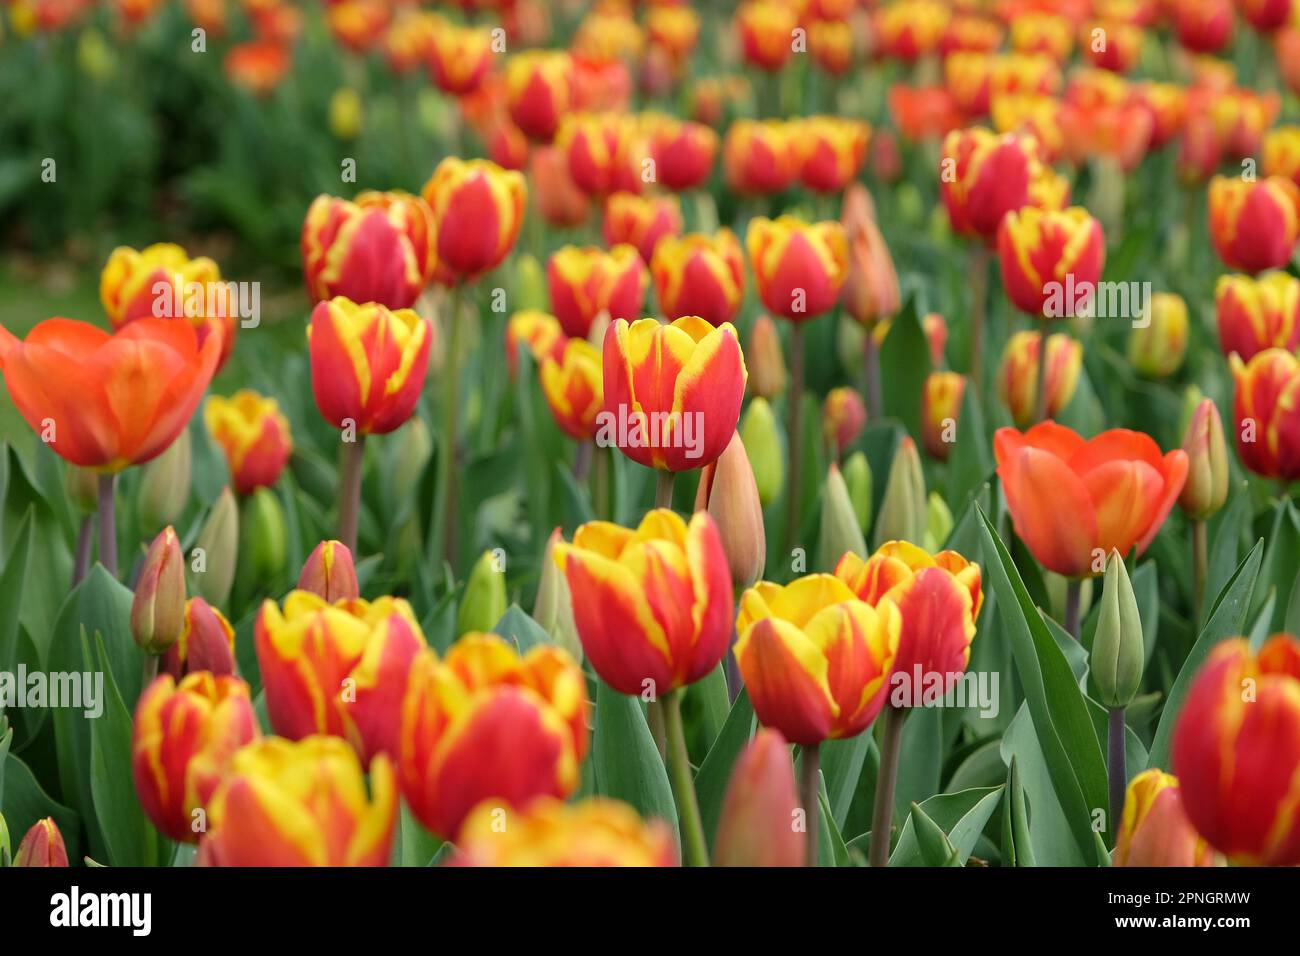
pixel 600 483
pixel 1117 768
pixel 1040 382
pixel 979 288
pixel 107 524
pixel 85 538
pixel 354 454
pixel 871 375
pixel 1072 588
pixel 654 716
pixel 882 817
pixel 695 849
pixel 794 434
pixel 149 670
pixel 664 488
pixel 442 536
pixel 809 788
pixel 1200 566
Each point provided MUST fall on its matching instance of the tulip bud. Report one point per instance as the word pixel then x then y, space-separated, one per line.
pixel 158 610
pixel 263 533
pixel 1157 348
pixel 764 358
pixel 329 573
pixel 762 440
pixel 530 284
pixel 42 846
pixel 82 487
pixel 840 531
pixel 844 415
pixel 410 458
pixel 554 607
pixel 727 491
pixel 207 643
pixel 1117 654
pixel 1206 487
pixel 484 600
pixel 903 514
pixel 216 552
pixel 938 522
pixel 165 485
pixel 756 827
pixel 857 477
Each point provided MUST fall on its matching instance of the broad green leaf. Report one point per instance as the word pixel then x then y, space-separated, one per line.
pixel 517 626
pixel 714 774
pixel 627 762
pixel 841 766
pixel 1017 849
pixel 904 366
pixel 12 590
pixel 959 819
pixel 1053 841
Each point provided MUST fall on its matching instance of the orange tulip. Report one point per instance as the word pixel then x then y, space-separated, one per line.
pixel 586 282
pixel 699 275
pixel 540 89
pixel 258 66
pixel 573 388
pixel 376 248
pixel 641 221
pixel 871 292
pixel 184 738
pixel 799 267
pixel 1018 374
pixel 923 113
pixel 206 643
pixel 760 157
pixel 1254 224
pixel 337 668
pixel 367 364
pixel 254 436
pixel 478 208
pixel 940 410
pixel 1154 829
pixel 134 390
pixel 1051 261
pixel 831 151
pixel 1074 501
pixel 652 605
pixel 486 723
pixel 1257 314
pixel 1116 47
pixel 301 803
pixel 595 832
pixel 815 659
pixel 1236 751
pixel 1268 412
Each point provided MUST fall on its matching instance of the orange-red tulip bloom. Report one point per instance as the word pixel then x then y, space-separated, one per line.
pixel 641 221
pixel 478 208
pixel 760 157
pixel 572 386
pixel 586 281
pixel 253 434
pixel 1267 410
pixel 1254 224
pixel 700 275
pixel 799 267
pixel 1257 314
pixel 540 89
pixel 1051 261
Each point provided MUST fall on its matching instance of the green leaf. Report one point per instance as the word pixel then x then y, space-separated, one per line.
pixel 12 590
pixel 1056 704
pixel 970 463
pixel 947 822
pixel 1017 849
pixel 25 802
pixel 518 627
pixel 1227 619
pixel 705 707
pixel 831 850
pixel 714 774
pixel 627 762
pixel 1050 840
pixel 904 366
pixel 841 766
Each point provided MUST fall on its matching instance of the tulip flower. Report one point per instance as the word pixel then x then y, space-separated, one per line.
pixel 459 57
pixel 573 388
pixel 596 832
pixel 258 66
pixel 831 151
pixel 162 281
pixel 158 608
pixel 486 723
pixel 871 291
pixel 699 275
pixel 941 402
pixel 672 392
pixel 303 803
pixel 764 360
pixel 1019 371
pixel 799 267
pixel 184 738
pixel 1073 501
pixel 831 44
pixel 1281 153
pixel 1265 15
pixel 329 573
pixel 539 332
pixel 604 152
pixel 1051 261
pixel 1203 26
pixel 910 29
pixel 206 643
pixel 763 442
pixel 1255 314
pixel 673 29
pixel 135 389
pixel 376 248
pixel 478 208
pixel 540 89
pixel 253 434
pixel 984 176
pixel 1206 488
pixel 754 828
pixel 1236 753
pixel 1043 32
pixel 586 281
pixel 337 668
pixel 765 28
pixel 559 199
pixel 641 221
pixel 844 415
pixel 1254 223
pixel 683 152
pixel 1154 829
pixel 218 545
pixel 42 845
pixel 1267 414
pixel 728 492
pixel 760 157
pixel 1158 348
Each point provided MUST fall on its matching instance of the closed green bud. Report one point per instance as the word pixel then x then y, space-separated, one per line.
pixel 216 552
pixel 1117 652
pixel 904 509
pixel 264 534
pixel 554 607
pixel 411 454
pixel 758 430
pixel 857 477
pixel 531 285
pixel 840 531
pixel 165 485
pixel 938 522
pixel 484 600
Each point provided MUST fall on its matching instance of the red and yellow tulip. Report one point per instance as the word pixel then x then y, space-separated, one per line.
pixel 42 845
pixel 459 57
pixel 683 152
pixel 799 267
pixel 1154 829
pixel 540 90
pixel 831 151
pixel 1267 410
pixel 1047 257
pixel 844 415
pixel 759 157
pixel 537 331
pixel 206 643
pixel 586 282
pixel 983 176
pixel 941 407
pixel 573 387
pixel 765 28
pixel 604 152
pixel 1255 314
pixel 478 208
pixel 253 434
pixel 1254 223
pixel 699 274
pixel 641 221
pixel 330 573
pixel 1018 374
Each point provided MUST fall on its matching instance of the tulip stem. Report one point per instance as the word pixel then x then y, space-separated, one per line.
pixel 809 788
pixel 442 539
pixel 149 671
pixel 582 461
pixel 354 454
pixel 695 849
pixel 1200 565
pixel 1117 766
pixel 794 433
pixel 107 524
pixel 1040 381
pixel 979 290
pixel 1072 588
pixel 85 538
pixel 882 817
pixel 871 376
pixel 664 488
pixel 600 483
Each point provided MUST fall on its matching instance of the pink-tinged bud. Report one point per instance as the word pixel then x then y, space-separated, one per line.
pixel 760 809
pixel 844 415
pixel 1154 829
pixel 158 610
pixel 1206 487
pixel 329 573
pixel 728 492
pixel 42 846
pixel 207 643
pixel 766 363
